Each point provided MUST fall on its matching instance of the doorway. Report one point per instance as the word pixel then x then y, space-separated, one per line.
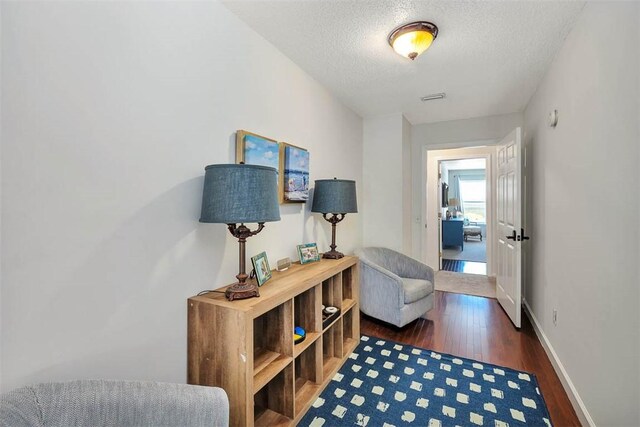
pixel 475 279
pixel 463 236
pixel 434 211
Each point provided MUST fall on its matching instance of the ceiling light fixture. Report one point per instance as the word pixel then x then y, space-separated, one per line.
pixel 410 40
pixel 434 96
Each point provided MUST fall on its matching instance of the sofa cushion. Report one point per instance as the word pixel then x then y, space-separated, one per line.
pixel 20 408
pixel 416 289
pixel 114 403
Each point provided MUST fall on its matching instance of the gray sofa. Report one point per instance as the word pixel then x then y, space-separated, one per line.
pixel 114 403
pixel 394 288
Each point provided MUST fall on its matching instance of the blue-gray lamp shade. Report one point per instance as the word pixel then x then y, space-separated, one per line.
pixel 235 194
pixel 334 196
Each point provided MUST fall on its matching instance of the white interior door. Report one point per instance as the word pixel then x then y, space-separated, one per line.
pixel 509 225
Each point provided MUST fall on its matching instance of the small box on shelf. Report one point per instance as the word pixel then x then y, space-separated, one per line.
pixel 328 318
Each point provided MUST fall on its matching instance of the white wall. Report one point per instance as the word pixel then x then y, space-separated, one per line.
pixel 110 113
pixel 383 181
pixel 451 134
pixel 466 130
pixel 387 182
pixel 584 217
pixel 406 187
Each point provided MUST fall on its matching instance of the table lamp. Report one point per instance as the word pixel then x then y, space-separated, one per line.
pixel 236 194
pixel 454 203
pixel 336 197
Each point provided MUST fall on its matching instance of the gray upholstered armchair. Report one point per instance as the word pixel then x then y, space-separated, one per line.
pixel 394 287
pixel 114 403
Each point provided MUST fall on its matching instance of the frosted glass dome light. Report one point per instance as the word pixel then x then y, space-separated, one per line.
pixel 410 40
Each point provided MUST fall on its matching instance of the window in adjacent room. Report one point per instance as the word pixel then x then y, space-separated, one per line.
pixel 474 200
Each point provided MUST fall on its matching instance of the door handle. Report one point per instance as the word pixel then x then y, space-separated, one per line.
pixel 513 236
pixel 522 234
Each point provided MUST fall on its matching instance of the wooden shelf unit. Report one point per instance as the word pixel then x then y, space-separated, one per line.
pixel 246 347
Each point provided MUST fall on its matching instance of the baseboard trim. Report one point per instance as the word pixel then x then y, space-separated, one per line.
pixel 569 388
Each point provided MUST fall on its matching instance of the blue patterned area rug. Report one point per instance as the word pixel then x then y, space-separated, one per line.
pixel 384 383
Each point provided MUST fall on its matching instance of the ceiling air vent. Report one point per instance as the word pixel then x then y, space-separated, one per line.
pixel 434 96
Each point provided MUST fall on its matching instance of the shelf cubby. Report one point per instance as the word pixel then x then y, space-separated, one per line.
pixel 332 349
pixel 307 315
pixel 349 291
pixel 272 403
pixel 332 291
pixel 350 324
pixel 308 376
pixel 312 337
pixel 272 343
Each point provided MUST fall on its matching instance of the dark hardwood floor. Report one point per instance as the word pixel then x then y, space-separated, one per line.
pixel 478 328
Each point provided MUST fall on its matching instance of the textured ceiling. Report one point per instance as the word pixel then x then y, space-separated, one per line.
pixel 488 57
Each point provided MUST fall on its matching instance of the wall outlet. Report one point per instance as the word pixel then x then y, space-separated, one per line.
pixel 555 317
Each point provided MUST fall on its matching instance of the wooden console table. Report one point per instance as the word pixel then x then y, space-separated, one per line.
pixel 246 347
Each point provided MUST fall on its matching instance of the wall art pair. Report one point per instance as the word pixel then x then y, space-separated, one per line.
pixel 291 162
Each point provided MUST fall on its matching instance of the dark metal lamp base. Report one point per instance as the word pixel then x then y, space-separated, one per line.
pixel 241 291
pixel 333 254
pixel 334 219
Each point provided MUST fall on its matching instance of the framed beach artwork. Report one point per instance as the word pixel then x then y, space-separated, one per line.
pixel 254 149
pixel 294 168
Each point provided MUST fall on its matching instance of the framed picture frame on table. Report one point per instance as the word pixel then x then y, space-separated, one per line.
pixel 308 253
pixel 261 267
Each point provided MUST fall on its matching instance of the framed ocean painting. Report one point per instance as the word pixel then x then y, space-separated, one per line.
pixel 254 149
pixel 294 168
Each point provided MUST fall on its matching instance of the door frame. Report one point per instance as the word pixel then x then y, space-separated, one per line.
pixel 431 156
